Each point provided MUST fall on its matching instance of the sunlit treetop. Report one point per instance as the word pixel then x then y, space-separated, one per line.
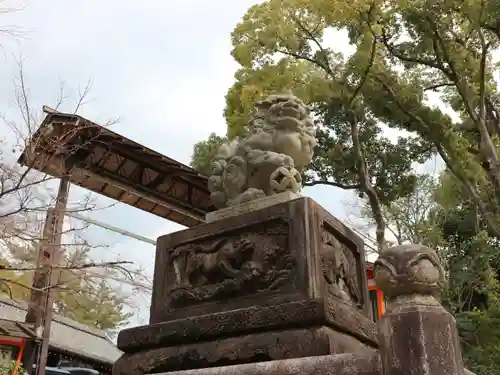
pixel 407 57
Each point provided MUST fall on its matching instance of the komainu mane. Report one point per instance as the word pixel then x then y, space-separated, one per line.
pixel 269 158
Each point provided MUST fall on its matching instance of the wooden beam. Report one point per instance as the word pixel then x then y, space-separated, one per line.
pixel 143 192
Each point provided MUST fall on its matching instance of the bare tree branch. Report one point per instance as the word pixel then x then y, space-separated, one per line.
pixel 26 194
pixel 67 267
pixel 332 183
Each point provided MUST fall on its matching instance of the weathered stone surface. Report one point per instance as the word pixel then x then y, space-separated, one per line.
pixel 340 364
pixel 254 205
pixel 269 158
pixel 346 319
pixel 243 321
pixel 421 338
pixel 223 324
pixel 258 347
pixel 282 282
pixel 291 252
pixel 416 334
pixel 226 265
pixel 409 269
pixel 294 250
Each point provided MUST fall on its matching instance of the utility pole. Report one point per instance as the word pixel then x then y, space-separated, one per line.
pixel 40 309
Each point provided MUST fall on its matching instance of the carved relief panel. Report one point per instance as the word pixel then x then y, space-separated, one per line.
pixel 342 268
pixel 253 260
pixel 284 254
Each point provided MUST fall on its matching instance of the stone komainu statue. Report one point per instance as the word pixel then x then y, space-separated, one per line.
pixel 269 158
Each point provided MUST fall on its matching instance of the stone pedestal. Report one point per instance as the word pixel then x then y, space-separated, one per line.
pixel 417 335
pixel 282 282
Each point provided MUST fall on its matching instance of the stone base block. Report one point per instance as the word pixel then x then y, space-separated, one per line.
pixel 341 364
pixel 256 347
pixel 305 313
pixel 290 251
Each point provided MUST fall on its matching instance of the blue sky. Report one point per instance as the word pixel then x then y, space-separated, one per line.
pixel 161 67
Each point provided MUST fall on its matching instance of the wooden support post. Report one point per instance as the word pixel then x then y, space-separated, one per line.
pixel 46 277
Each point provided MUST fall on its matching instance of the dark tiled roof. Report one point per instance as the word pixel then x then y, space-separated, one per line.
pixel 11 328
pixel 66 334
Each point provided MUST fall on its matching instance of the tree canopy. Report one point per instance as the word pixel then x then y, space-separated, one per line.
pixel 204 152
pixel 440 215
pixel 409 56
pixel 417 79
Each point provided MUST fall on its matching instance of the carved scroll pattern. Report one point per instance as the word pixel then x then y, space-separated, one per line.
pixel 341 269
pixel 231 265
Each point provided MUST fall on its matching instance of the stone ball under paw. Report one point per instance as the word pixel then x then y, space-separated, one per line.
pixel 285 179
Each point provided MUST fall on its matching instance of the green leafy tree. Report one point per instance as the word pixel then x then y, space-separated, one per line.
pixel 440 214
pixel 451 51
pixel 204 153
pixel 405 53
pixel 404 50
pixel 411 218
pixel 9 366
pixel 471 259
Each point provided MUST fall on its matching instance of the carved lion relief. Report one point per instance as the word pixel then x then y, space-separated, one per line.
pixel 340 270
pixel 217 268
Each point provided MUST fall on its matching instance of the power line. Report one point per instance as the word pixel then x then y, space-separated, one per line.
pixel 137 284
pixel 373 246
pixel 124 232
pixel 111 228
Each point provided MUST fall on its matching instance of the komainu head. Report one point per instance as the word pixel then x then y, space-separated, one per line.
pixel 287 119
